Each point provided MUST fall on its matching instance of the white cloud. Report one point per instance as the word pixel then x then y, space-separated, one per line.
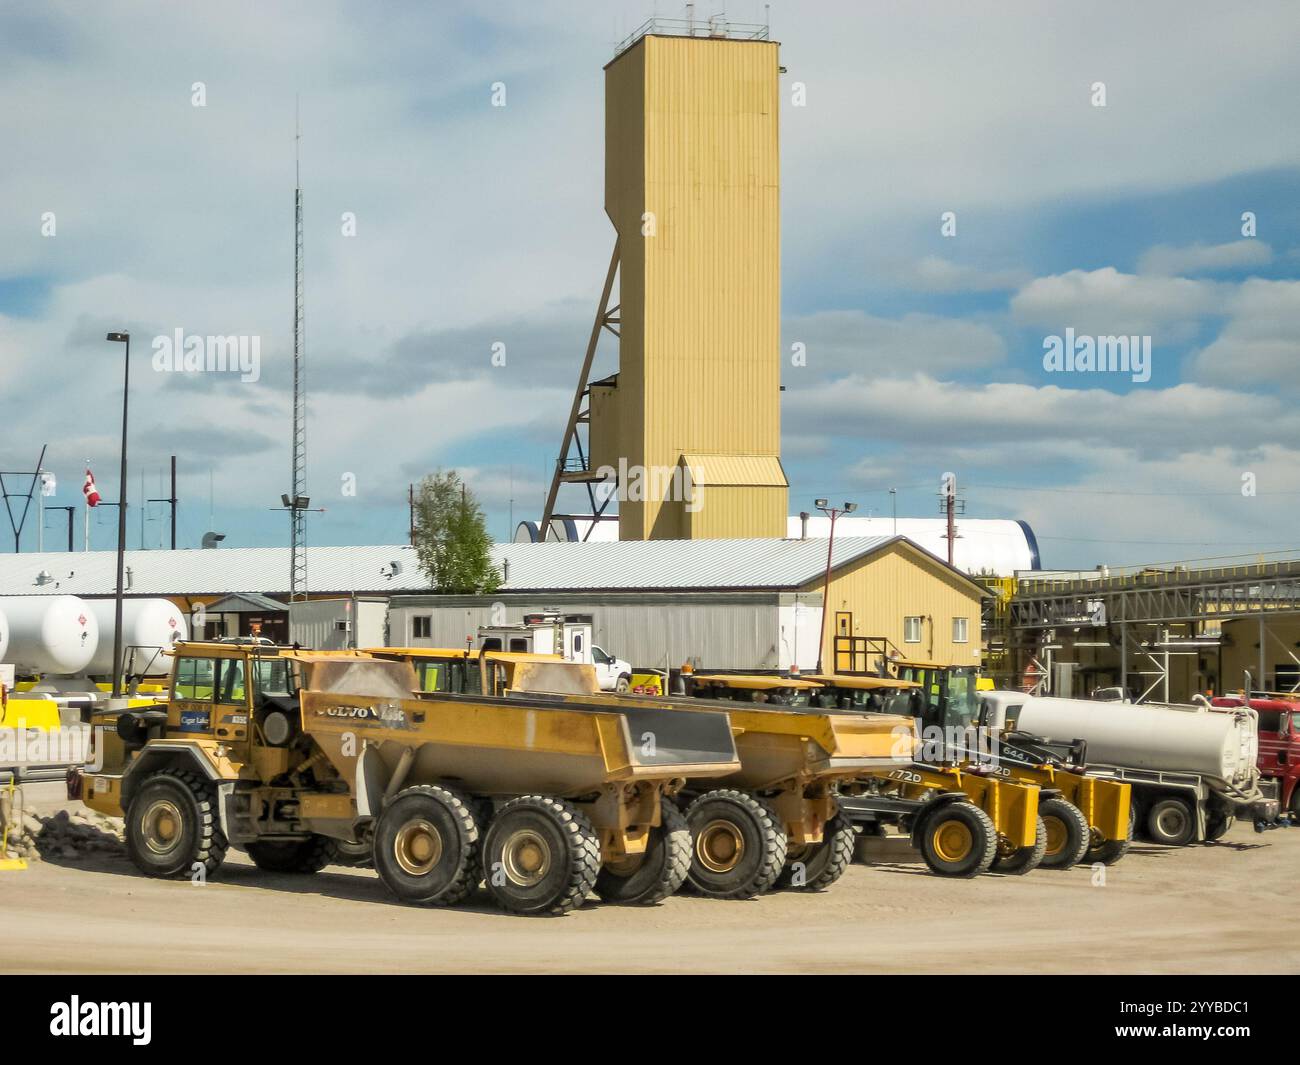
pixel 1106 302
pixel 840 342
pixel 1204 258
pixel 923 411
pixel 936 274
pixel 1259 346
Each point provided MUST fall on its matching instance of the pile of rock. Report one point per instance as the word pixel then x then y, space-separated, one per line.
pixel 64 836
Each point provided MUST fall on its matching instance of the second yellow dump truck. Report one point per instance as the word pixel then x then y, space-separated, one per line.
pixel 775 820
pixel 285 754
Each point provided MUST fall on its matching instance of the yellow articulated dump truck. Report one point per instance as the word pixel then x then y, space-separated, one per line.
pixel 287 754
pixel 774 821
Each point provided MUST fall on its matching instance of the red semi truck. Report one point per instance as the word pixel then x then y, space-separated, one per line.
pixel 1279 741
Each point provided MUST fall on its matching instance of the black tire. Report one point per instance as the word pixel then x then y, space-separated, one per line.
pixel 304 856
pixel 657 873
pixel 958 840
pixel 1217 825
pixel 1108 852
pixel 172 826
pixel 623 684
pixel 1068 834
pixel 738 845
pixel 818 866
pixel 1171 822
pixel 1020 860
pixel 540 856
pixel 354 855
pixel 426 846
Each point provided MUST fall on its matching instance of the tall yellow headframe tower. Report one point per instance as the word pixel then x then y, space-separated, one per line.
pixel 691 422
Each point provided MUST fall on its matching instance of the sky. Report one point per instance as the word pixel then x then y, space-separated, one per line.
pixel 961 182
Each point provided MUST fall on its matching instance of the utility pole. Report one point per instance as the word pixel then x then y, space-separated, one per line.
pixel 171 499
pixel 827 616
pixel 410 512
pixel 950 505
pixel 71 511
pixel 297 501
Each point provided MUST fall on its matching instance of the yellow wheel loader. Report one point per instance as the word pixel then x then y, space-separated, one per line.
pixel 285 754
pixel 1014 808
pixel 1085 816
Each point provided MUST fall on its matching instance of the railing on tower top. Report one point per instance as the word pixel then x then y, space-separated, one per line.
pixel 716 26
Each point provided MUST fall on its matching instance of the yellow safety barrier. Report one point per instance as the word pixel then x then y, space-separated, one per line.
pixel 40 714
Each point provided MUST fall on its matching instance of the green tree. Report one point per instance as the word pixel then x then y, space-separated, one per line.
pixel 451 538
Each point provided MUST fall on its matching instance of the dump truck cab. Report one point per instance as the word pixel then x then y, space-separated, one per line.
pixel 222 762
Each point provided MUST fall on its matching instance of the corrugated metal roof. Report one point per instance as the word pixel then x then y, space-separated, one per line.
pixel 621 565
pixel 246 603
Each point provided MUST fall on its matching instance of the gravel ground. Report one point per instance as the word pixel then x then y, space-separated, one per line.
pixel 1208 908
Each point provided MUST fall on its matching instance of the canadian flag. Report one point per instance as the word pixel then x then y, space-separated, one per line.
pixel 90 491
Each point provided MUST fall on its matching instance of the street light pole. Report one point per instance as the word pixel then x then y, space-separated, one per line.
pixel 834 513
pixel 121 338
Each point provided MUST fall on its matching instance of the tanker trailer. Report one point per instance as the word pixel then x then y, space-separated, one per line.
pixel 55 634
pixel 1192 767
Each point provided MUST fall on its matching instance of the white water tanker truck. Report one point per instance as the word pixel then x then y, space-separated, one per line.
pixel 1192 767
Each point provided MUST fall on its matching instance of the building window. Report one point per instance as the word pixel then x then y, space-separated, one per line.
pixel 960 630
pixel 912 630
pixel 422 627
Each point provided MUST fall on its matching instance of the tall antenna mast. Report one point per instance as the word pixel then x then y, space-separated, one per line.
pixel 298 499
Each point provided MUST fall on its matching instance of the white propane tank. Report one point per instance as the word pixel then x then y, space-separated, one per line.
pixel 151 625
pixel 1140 736
pixel 54 634
pixel 4 637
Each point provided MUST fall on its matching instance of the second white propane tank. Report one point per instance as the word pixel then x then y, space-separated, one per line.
pixel 49 634
pixel 1162 738
pixel 149 625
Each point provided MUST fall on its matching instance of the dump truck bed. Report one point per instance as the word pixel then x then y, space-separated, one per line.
pixel 496 746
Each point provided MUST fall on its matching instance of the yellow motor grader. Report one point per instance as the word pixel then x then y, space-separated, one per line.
pixel 285 754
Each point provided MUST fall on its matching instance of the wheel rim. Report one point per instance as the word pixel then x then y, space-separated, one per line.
pixel 952 841
pixel 1056 834
pixel 417 847
pixel 161 827
pixel 526 858
pixel 719 846
pixel 1170 821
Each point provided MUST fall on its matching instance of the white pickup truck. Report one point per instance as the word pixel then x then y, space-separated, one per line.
pixel 565 635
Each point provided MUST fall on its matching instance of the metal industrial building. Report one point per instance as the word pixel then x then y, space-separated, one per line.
pixel 725 604
pixel 734 604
